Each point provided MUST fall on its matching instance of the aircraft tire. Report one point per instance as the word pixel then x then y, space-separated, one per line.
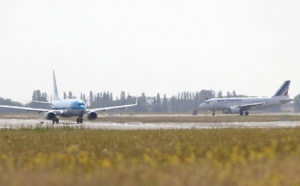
pixel 246 113
pixel 56 120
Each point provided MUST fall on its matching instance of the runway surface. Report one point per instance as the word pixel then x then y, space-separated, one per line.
pixel 36 123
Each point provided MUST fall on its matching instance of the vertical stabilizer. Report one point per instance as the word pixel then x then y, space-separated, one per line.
pixel 284 89
pixel 55 88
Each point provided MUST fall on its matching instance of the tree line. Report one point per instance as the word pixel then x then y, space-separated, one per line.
pixel 182 102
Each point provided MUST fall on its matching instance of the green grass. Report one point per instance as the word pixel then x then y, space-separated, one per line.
pixel 66 156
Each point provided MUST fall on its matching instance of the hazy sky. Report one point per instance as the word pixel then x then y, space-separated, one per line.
pixel 157 46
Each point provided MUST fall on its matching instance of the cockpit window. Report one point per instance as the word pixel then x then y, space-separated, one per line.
pixel 207 102
pixel 80 104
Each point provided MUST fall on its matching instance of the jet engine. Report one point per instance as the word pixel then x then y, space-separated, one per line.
pixel 50 115
pixel 232 110
pixel 92 115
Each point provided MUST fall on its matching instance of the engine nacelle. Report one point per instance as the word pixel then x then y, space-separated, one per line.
pixel 232 110
pixel 50 115
pixel 92 115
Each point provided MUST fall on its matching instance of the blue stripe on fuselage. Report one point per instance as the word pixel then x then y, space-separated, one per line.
pixel 68 104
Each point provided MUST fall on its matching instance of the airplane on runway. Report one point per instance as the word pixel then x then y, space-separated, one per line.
pixel 241 105
pixel 68 108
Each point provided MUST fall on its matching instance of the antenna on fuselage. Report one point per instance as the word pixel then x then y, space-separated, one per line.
pixel 56 97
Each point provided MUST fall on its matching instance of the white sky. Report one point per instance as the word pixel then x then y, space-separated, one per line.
pixel 157 46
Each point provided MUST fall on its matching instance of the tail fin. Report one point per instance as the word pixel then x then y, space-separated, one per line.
pixel 56 97
pixel 284 89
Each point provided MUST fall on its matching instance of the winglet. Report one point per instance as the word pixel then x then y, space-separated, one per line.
pixel 56 97
pixel 284 89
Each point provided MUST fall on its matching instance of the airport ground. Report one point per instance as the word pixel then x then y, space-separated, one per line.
pixel 169 118
pixel 219 156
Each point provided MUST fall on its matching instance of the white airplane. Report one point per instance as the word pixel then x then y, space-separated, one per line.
pixel 68 108
pixel 241 105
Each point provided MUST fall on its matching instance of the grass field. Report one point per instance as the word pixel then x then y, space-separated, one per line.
pixel 66 156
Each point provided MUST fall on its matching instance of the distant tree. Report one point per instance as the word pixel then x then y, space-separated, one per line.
pixel 206 94
pixel 142 103
pixel 4 101
pixel 38 96
pixel 123 97
pixel 156 107
pixel 70 96
pixel 130 100
pixel 165 104
pixel 234 94
pixel 196 100
pixel 229 94
pixel 83 97
pixel 173 103
pixel 107 97
pixel 220 94
pixel 98 100
pixel 111 99
pixel 91 99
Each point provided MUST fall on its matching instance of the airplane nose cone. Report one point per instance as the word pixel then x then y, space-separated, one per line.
pixel 201 106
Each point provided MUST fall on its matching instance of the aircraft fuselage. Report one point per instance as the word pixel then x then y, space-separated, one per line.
pixel 227 103
pixel 70 107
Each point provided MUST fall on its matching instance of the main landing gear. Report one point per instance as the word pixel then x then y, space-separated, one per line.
pixel 242 113
pixel 55 120
pixel 79 120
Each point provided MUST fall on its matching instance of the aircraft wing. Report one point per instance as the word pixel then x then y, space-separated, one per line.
pixel 25 108
pixel 112 107
pixel 43 102
pixel 249 106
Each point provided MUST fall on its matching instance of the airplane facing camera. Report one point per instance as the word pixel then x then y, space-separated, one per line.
pixel 68 108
